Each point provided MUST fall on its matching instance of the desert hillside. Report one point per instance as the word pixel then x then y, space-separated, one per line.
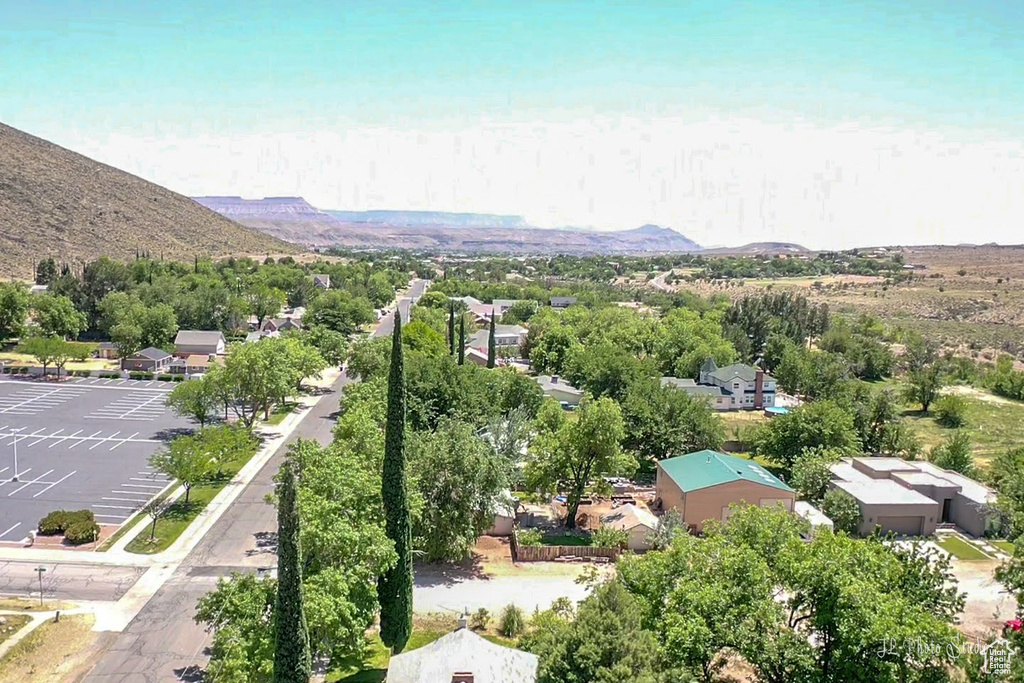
pixel 54 202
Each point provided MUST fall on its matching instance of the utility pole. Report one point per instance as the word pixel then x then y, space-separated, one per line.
pixel 15 477
pixel 40 570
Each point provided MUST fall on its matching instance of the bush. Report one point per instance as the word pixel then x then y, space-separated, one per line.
pixel 513 622
pixel 480 619
pixel 607 537
pixel 529 537
pixel 82 532
pixel 951 411
pixel 178 378
pixel 164 378
pixel 843 510
pixel 110 375
pixel 140 375
pixel 59 521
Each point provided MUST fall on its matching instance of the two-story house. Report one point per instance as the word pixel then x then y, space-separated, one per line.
pixel 751 388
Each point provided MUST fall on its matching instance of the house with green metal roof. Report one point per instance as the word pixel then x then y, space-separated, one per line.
pixel 701 486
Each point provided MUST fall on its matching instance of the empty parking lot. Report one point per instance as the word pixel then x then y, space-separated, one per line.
pixel 79 444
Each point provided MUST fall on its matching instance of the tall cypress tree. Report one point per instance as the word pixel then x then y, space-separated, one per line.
pixel 451 327
pixel 291 636
pixel 462 339
pixel 491 350
pixel 394 588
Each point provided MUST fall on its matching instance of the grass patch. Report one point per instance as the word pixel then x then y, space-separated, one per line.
pixel 1005 546
pixel 14 623
pixel 565 539
pixel 12 358
pixel 960 549
pixel 26 605
pixel 993 427
pixel 280 412
pixel 180 514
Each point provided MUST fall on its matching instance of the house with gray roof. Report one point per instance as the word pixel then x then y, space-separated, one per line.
pixel 750 387
pixel 505 337
pixel 560 390
pixel 463 657
pixel 199 342
pixel 322 281
pixel 560 302
pixel 150 359
pixel 913 498
pixel 717 397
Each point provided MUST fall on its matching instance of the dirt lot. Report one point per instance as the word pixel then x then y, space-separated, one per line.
pixel 988 605
pixel 53 652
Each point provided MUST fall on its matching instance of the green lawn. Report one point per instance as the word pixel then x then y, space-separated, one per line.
pixel 993 427
pixel 565 539
pixel 1005 546
pixel 280 412
pixel 180 514
pixel 373 666
pixel 959 548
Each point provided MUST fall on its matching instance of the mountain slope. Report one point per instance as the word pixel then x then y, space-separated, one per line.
pixel 54 202
pixel 295 220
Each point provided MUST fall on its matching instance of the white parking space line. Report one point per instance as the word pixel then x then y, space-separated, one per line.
pixel 104 440
pixel 65 438
pixel 44 438
pixel 120 517
pixel 124 500
pixel 138 486
pixel 22 437
pixel 82 439
pixel 28 483
pixel 55 483
pixel 113 507
pixel 20 474
pixel 10 530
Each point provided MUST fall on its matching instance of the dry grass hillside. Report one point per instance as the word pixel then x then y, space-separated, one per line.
pixel 54 202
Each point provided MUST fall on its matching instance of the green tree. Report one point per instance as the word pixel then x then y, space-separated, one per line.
pixel 43 349
pixel 265 302
pixel 602 641
pixel 451 327
pixel 57 316
pixel 369 358
pixel 187 459
pixel 951 411
pixel 339 311
pixel 491 354
pixel 924 386
pixel 462 340
pixel 159 324
pixel 195 399
pixel 822 423
pixel 573 450
pixel 66 351
pixel 333 346
pixel 395 585
pixel 954 454
pixel 292 662
pixel 842 509
pixel 418 336
pixel 458 479
pixel 46 271
pixel 812 474
pixel 240 612
pixel 127 338
pixel 14 307
pixel 663 422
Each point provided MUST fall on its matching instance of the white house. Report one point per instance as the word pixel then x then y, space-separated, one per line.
pixel 559 389
pixel 199 342
pixel 463 657
pixel 505 337
pixel 717 397
pixel 749 387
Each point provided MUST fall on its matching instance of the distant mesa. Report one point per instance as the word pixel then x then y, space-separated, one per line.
pixel 295 220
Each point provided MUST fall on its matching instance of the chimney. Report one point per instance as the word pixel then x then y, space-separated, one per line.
pixel 462 677
pixel 759 389
pixel 554 379
pixel 463 622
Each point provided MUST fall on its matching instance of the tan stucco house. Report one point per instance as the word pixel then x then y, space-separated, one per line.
pixel 701 486
pixel 638 523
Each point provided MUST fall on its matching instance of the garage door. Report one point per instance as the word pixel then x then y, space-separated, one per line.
pixel 904 526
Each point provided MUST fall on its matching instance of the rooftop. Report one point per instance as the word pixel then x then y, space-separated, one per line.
pixel 629 516
pixel 710 468
pixel 812 514
pixel 551 382
pixel 748 373
pixel 845 470
pixel 463 652
pixel 885 464
pixel 883 492
pixel 151 353
pixel 198 337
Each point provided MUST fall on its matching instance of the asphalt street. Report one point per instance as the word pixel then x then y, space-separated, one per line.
pixel 163 643
pixel 67 581
pixel 404 303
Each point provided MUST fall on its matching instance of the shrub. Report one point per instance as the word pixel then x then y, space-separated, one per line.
pixel 480 619
pixel 513 622
pixel 842 509
pixel 140 375
pixel 178 378
pixel 164 378
pixel 82 532
pixel 607 537
pixel 951 411
pixel 59 521
pixel 954 454
pixel 529 537
pixel 110 375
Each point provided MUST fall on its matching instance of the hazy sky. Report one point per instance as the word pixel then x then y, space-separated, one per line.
pixel 826 123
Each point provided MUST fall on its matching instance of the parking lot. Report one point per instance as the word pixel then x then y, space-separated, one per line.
pixel 83 443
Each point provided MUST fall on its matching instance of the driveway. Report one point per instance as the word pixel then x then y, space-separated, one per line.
pixel 528 592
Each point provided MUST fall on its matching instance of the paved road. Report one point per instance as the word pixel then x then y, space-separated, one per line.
pixel 405 302
pixel 67 581
pixel 163 643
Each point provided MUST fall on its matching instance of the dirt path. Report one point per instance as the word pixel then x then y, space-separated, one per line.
pixel 981 395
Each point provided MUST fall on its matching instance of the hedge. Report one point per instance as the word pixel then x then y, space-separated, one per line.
pixel 165 378
pixel 140 375
pixel 60 521
pixel 110 375
pixel 82 532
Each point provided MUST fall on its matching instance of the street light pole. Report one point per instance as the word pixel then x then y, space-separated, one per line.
pixel 40 570
pixel 15 477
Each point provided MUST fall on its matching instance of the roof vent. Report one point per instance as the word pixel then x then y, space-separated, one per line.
pixel 463 622
pixel 462 677
pixel 554 379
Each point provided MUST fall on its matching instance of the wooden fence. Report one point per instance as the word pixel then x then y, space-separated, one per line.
pixel 550 553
